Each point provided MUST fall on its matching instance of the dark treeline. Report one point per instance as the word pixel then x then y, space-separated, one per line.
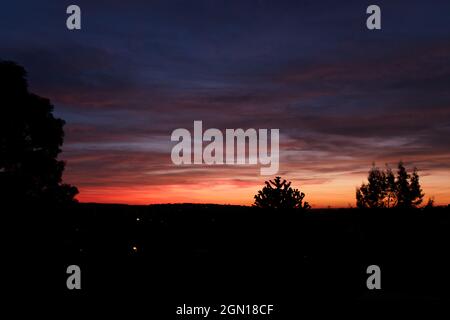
pixel 388 190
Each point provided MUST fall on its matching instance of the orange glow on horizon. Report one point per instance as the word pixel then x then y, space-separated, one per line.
pixel 338 193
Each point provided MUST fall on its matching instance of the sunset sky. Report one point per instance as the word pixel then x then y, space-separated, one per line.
pixel 341 95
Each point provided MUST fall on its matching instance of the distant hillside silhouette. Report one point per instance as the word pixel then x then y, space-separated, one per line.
pixel 200 251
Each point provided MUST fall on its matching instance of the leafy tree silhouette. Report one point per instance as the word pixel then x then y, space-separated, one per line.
pixel 30 141
pixel 416 195
pixel 279 194
pixel 384 190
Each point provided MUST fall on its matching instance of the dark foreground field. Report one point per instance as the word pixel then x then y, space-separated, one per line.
pixel 169 255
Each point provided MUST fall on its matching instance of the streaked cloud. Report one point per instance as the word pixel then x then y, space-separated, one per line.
pixel 342 97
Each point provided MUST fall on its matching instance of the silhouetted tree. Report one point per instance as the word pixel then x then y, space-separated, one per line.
pixel 403 187
pixel 384 190
pixel 416 195
pixel 30 141
pixel 373 194
pixel 279 194
pixel 391 188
